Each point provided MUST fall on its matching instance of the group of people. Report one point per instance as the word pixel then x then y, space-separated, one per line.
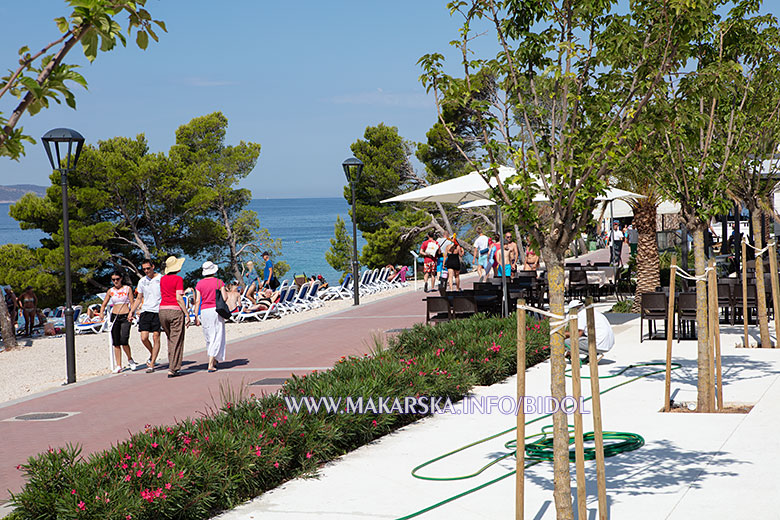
pixel 617 237
pixel 27 303
pixel 159 306
pixel 443 258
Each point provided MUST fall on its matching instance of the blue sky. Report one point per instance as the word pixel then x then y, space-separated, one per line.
pixel 303 79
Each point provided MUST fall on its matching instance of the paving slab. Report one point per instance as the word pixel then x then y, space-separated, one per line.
pixel 715 466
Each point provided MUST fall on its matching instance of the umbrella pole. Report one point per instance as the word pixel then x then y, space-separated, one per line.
pixel 500 225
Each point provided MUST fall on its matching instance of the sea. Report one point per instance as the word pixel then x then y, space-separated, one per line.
pixel 304 226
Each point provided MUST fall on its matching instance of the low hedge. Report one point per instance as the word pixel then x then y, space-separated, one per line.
pixel 199 467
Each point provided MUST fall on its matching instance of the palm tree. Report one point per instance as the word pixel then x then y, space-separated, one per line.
pixel 648 262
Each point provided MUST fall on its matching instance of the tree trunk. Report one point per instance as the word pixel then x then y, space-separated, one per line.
pixel 647 260
pixel 446 219
pixel 562 477
pixel 702 325
pixel 763 322
pixel 6 324
pixel 231 241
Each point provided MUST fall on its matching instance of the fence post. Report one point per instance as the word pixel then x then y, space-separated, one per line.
pixel 576 392
pixel 598 436
pixel 520 450
pixel 669 336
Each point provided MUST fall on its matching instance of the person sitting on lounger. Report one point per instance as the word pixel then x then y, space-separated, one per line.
pixel 265 298
pixel 233 295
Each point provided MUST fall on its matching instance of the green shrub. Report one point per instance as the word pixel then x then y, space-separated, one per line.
pixel 197 467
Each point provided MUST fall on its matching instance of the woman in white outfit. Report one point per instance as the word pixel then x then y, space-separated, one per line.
pixel 213 324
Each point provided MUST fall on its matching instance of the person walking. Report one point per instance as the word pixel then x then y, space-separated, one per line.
pixel 453 264
pixel 173 314
pixel 149 320
pixel 514 254
pixel 616 241
pixel 633 239
pixel 120 297
pixel 481 249
pixel 213 324
pixel 29 304
pixel 429 250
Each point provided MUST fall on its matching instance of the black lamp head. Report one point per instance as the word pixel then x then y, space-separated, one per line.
pixel 352 168
pixel 58 139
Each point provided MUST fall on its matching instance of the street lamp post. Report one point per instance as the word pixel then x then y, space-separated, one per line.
pixel 56 141
pixel 352 169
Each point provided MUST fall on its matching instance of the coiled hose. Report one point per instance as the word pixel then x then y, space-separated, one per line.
pixel 541 449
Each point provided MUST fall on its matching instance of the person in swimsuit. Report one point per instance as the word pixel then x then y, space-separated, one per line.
pixel 29 304
pixel 454 252
pixel 531 260
pixel 120 297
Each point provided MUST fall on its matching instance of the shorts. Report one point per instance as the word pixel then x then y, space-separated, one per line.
pixel 440 264
pixel 429 267
pixel 120 330
pixel 507 270
pixel 149 321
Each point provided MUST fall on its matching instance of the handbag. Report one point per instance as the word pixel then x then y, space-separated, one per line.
pixel 221 306
pixel 273 283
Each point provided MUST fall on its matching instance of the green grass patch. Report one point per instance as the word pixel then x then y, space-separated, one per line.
pixel 198 467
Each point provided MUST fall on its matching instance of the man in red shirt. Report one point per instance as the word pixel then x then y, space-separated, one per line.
pixel 429 250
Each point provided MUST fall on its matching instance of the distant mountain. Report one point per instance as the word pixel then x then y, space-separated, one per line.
pixel 14 192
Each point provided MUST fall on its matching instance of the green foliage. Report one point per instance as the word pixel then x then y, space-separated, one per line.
pixel 623 306
pixel 201 466
pixel 127 204
pixel 339 256
pixel 94 24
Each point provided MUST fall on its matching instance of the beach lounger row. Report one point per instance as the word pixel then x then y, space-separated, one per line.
pixel 371 282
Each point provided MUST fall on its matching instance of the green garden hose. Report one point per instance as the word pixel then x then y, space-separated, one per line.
pixel 541 449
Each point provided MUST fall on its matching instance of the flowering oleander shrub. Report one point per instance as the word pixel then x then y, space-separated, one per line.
pixel 198 467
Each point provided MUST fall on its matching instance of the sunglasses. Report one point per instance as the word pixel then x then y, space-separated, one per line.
pixel 147 268
pixel 116 279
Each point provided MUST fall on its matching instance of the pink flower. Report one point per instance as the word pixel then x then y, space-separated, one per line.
pixel 82 505
pixel 139 473
pixel 154 445
pixel 181 474
pixel 308 455
pixel 276 464
pixel 159 474
pixel 373 423
pixel 168 485
pixel 127 478
pixel 72 491
pixel 18 466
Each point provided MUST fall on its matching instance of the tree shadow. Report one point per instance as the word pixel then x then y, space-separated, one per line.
pixel 734 368
pixel 660 467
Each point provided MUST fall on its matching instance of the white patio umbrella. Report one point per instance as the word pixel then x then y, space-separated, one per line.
pixel 455 191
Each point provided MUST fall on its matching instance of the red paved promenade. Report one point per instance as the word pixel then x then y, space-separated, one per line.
pixel 108 408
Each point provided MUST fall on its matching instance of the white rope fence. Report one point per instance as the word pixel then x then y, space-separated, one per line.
pixel 560 322
pixel 682 273
pixel 759 252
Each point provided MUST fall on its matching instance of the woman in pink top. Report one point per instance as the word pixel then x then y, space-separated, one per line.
pixel 120 297
pixel 173 313
pixel 213 323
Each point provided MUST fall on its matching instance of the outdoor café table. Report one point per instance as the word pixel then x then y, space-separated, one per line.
pixel 598 278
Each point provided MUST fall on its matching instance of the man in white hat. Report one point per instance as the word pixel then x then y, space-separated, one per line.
pixel 605 338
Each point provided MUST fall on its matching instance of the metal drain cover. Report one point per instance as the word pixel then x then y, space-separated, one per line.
pixel 42 416
pixel 269 381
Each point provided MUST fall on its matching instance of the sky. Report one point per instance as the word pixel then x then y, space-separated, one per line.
pixel 303 79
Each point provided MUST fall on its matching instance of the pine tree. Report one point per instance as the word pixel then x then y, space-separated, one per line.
pixel 340 253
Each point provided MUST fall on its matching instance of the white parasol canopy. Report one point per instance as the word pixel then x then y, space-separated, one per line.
pixel 460 189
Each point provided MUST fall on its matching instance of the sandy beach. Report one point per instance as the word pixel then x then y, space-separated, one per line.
pixel 38 364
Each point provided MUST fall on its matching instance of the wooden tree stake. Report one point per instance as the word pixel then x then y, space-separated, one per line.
pixel 775 284
pixel 669 336
pixel 745 311
pixel 520 451
pixel 598 436
pixel 579 448
pixel 712 314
